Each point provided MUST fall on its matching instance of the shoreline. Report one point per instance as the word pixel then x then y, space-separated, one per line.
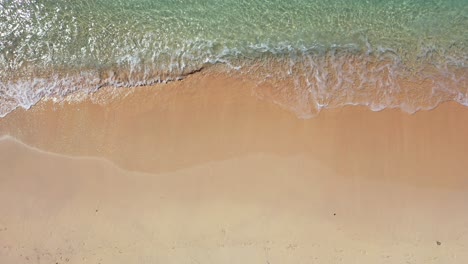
pixel 225 108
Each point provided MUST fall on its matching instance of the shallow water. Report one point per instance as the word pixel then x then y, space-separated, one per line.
pixel 330 51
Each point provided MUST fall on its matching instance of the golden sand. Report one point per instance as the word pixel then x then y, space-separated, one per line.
pixel 202 171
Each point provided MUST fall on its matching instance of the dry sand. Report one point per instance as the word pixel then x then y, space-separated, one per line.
pixel 202 171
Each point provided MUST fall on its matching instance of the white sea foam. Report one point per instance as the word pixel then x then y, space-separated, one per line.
pixel 308 81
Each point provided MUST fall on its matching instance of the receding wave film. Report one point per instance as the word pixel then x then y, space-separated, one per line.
pixel 314 54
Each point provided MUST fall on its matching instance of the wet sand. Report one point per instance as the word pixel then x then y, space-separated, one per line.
pixel 203 171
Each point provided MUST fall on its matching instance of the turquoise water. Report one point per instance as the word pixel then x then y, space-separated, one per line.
pixel 51 49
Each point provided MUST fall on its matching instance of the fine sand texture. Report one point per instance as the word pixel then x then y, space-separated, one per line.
pixel 206 171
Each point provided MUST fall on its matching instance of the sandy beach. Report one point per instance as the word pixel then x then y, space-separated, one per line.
pixel 204 170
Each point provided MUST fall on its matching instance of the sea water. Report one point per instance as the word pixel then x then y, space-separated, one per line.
pixel 331 52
